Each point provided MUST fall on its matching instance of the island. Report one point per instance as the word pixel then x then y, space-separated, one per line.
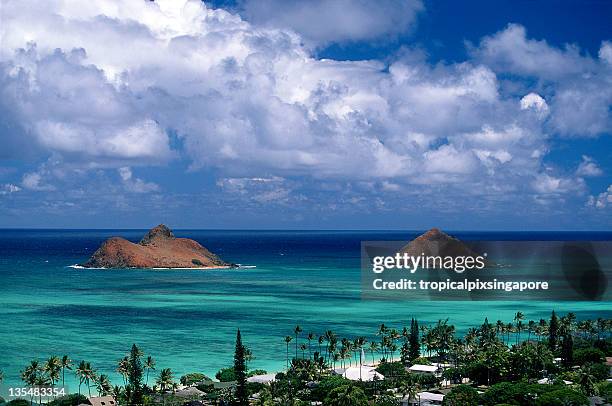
pixel 159 248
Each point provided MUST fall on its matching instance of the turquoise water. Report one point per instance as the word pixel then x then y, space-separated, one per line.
pixel 187 319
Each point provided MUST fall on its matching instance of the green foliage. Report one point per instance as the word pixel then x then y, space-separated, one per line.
pixel 562 397
pixel 18 402
pixel 461 395
pixel 528 360
pixel 346 395
pixel 553 332
pixel 421 361
pixel 387 400
pixel 584 355
pixel 226 375
pixel 194 377
pixel 327 384
pixel 68 400
pixel 604 389
pixel 135 374
pixel 242 397
pixel 391 370
pixel 257 372
pixel 600 371
pixel 520 393
pixel 414 342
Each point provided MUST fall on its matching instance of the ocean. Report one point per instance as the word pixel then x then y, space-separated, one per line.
pixel 187 319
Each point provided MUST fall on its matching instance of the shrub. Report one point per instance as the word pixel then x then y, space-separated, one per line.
pixel 326 385
pixel 600 371
pixel 421 361
pixel 194 377
pixel 257 372
pixel 461 395
pixel 586 355
pixel 18 402
pixel 346 395
pixel 391 369
pixel 562 397
pixel 226 375
pixel 68 400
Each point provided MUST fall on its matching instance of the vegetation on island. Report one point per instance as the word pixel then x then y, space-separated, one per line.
pixel 560 361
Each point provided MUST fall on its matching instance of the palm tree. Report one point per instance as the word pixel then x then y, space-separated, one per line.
pixel 311 336
pixel 587 380
pixel 373 348
pixel 40 381
pixel 66 363
pixel 297 330
pixel 30 376
pixel 165 381
pixel 287 341
pixel 530 329
pixel 123 368
pixel 53 367
pixel 85 374
pixel 518 319
pixel 103 385
pixel 149 364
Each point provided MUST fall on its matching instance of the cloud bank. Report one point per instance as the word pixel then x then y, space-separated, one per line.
pixel 117 85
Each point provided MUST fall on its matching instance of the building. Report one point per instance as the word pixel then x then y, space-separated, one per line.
pixel 364 373
pixel 101 401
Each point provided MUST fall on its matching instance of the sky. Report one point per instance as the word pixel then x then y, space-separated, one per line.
pixel 319 114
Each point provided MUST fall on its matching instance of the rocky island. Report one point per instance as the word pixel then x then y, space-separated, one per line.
pixel 159 248
pixel 436 242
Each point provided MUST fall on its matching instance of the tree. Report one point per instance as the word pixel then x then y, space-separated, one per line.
pixel 135 376
pixel 103 385
pixel 242 397
pixel 553 332
pixel 66 364
pixel 414 350
pixel 165 381
pixel 287 341
pixel 297 330
pixel 348 395
pixel 30 375
pixel 149 365
pixel 461 395
pixel 52 367
pixel 562 397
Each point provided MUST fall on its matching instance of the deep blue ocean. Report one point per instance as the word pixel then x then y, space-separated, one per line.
pixel 187 319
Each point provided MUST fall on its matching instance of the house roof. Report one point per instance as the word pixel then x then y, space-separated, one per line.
pixel 423 368
pixel 430 396
pixel 353 373
pixel 102 401
pixel 264 378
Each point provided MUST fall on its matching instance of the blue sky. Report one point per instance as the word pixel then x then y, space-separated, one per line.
pixel 336 114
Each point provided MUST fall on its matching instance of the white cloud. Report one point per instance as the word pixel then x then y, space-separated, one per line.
pixel 546 184
pixel 9 188
pixel 135 185
pixel 605 52
pixel 320 22
pixel 139 83
pixel 588 167
pixel 34 181
pixel 536 103
pixel 602 200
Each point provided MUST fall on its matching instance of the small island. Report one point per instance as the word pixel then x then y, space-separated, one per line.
pixel 159 248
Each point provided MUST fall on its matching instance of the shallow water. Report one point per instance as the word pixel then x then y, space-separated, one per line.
pixel 187 319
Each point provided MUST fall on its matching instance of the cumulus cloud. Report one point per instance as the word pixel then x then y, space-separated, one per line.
pixel 321 22
pixel 141 83
pixel 588 167
pixel 601 201
pixel 135 185
pixel 578 85
pixel 8 188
